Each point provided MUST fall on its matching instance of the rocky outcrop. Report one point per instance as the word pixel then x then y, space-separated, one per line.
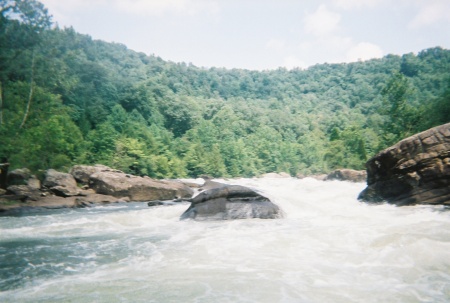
pixel 414 171
pixel 119 184
pixel 100 184
pixel 19 176
pixel 61 184
pixel 83 173
pixel 24 192
pixel 228 202
pixel 347 175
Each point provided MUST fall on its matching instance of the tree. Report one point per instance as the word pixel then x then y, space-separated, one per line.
pixel 400 117
pixel 35 19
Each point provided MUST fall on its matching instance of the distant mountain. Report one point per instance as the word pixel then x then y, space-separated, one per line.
pixel 66 99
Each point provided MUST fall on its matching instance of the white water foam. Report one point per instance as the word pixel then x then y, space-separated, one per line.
pixel 328 248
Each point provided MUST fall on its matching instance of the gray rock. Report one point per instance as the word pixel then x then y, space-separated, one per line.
pixel 24 192
pixel 61 184
pixel 229 202
pixel 19 176
pixel 91 199
pixel 348 175
pixel 119 184
pixel 34 182
pixel 83 173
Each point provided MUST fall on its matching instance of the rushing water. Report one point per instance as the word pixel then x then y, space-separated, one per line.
pixel 328 248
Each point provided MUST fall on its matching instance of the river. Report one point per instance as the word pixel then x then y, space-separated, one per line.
pixel 328 248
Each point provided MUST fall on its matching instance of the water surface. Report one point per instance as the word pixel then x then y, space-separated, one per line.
pixel 328 248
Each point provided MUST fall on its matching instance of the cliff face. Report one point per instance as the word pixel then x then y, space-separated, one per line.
pixel 416 170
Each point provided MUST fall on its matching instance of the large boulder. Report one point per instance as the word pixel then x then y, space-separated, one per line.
pixel 83 173
pixel 347 175
pixel 119 184
pixel 228 202
pixel 23 176
pixel 61 184
pixel 24 192
pixel 416 170
pixel 19 176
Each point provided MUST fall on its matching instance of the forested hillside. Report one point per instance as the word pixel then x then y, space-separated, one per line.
pixel 67 99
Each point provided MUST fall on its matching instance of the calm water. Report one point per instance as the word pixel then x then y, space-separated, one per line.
pixel 328 248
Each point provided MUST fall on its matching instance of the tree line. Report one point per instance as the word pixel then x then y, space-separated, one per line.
pixel 68 99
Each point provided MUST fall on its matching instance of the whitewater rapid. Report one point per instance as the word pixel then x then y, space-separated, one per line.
pixel 328 248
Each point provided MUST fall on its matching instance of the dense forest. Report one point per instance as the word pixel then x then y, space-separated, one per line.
pixel 68 99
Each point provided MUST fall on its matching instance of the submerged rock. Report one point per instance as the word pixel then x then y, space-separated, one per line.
pixel 228 202
pixel 416 170
pixel 348 175
pixel 93 199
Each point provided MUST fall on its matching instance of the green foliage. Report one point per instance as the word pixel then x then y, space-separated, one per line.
pixel 97 102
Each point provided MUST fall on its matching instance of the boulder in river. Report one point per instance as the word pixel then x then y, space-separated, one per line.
pixel 416 170
pixel 228 202
pixel 347 175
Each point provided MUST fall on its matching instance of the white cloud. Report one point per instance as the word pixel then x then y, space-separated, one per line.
pixel 73 4
pixel 431 12
pixel 158 7
pixel 141 7
pixel 352 4
pixel 291 62
pixel 276 45
pixel 322 22
pixel 364 51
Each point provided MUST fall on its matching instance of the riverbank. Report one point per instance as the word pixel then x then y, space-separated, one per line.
pixel 85 186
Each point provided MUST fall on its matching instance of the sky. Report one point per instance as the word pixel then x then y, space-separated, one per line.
pixel 261 34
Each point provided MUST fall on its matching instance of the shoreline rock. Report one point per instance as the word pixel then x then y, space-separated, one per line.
pixel 100 184
pixel 416 170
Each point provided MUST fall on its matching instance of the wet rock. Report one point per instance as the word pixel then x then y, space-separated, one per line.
pixel 229 202
pixel 93 199
pixel 416 170
pixel 348 175
pixel 276 175
pixel 162 203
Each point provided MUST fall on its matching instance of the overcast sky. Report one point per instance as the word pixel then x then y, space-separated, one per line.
pixel 261 34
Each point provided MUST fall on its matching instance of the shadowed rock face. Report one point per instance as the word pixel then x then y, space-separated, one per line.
pixel 228 202
pixel 416 170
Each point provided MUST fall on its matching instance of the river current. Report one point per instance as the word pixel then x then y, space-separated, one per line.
pixel 328 248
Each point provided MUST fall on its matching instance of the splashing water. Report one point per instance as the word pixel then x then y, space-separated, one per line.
pixel 328 248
